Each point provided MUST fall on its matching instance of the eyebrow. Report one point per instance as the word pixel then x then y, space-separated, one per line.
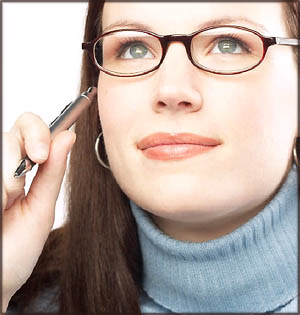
pixel 214 22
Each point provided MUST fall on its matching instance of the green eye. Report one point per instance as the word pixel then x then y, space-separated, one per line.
pixel 227 46
pixel 138 51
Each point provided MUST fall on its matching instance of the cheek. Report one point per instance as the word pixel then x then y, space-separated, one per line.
pixel 279 94
pixel 117 104
pixel 120 116
pixel 261 113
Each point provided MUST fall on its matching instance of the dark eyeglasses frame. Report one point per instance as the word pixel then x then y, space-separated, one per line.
pixel 186 40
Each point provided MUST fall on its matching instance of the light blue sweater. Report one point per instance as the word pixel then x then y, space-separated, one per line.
pixel 252 269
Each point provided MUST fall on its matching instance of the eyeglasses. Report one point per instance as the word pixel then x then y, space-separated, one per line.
pixel 226 49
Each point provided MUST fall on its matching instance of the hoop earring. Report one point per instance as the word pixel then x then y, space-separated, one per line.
pixel 97 152
pixel 296 150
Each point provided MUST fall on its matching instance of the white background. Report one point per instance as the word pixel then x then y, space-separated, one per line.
pixel 41 64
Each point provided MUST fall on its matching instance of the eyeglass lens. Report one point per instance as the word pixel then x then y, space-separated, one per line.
pixel 223 49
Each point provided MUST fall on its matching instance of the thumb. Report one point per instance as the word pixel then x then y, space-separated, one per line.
pixel 45 187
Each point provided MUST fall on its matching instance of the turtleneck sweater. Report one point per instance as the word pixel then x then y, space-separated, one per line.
pixel 251 269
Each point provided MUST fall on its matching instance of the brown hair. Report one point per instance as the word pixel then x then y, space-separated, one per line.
pixel 95 258
pixel 290 16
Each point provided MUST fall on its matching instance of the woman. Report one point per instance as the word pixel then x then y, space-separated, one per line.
pixel 156 226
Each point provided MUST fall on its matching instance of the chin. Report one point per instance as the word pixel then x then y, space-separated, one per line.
pixel 179 210
pixel 179 202
pixel 188 199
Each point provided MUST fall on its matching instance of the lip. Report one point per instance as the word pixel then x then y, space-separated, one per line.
pixel 167 146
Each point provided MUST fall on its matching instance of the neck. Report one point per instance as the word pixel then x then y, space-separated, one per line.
pixel 211 228
pixel 201 232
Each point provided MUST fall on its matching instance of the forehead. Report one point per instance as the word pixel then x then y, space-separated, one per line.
pixel 186 17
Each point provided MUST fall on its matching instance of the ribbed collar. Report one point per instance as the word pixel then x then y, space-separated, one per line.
pixel 252 269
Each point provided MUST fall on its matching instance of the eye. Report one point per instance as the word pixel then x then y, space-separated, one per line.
pixel 133 50
pixel 229 45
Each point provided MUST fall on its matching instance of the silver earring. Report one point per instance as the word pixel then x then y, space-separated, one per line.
pixel 97 152
pixel 296 150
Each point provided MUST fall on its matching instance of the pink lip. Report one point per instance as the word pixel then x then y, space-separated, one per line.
pixel 166 146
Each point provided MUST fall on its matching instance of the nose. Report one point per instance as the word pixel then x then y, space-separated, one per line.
pixel 178 86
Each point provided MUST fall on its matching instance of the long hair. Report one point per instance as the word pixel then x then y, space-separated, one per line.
pixel 94 258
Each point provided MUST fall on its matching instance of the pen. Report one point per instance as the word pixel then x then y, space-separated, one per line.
pixel 63 121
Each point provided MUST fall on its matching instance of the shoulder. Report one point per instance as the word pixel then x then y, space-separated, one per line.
pixel 45 302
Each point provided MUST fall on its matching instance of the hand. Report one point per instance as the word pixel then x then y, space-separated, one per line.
pixel 27 220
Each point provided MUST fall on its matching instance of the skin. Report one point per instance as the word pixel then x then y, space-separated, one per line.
pixel 254 114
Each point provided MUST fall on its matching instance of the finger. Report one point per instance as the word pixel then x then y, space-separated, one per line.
pixel 46 185
pixel 12 187
pixel 34 137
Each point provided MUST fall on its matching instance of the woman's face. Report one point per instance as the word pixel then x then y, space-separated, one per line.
pixel 253 115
